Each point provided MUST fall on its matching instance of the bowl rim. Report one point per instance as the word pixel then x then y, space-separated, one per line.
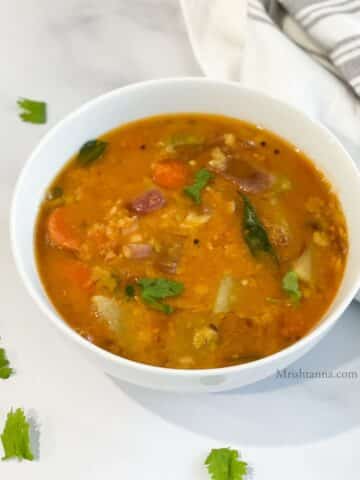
pixel 311 338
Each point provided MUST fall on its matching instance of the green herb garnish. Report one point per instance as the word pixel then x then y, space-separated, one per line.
pixel 32 110
pixel 130 291
pixel 5 369
pixel 224 464
pixel 153 290
pixel 91 151
pixel 202 178
pixel 254 232
pixel 290 285
pixel 16 436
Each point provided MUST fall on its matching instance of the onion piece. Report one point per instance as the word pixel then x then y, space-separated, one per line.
pixel 148 202
pixel 303 266
pixel 108 309
pixel 223 297
pixel 254 183
pixel 137 250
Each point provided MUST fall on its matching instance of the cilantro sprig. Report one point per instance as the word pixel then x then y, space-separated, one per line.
pixel 15 437
pixel 154 290
pixel 5 369
pixel 202 178
pixel 33 111
pixel 224 464
pixel 290 285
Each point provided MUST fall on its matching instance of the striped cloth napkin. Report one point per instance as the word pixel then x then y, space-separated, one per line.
pixel 280 47
pixel 329 30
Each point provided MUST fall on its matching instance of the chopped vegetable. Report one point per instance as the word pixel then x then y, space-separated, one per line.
pixel 254 183
pixel 193 220
pixel 218 160
pixel 290 285
pixel 182 140
pixel 205 336
pixel 170 174
pixel 148 202
pixel 130 291
pixel 303 266
pixel 107 309
pixel 5 369
pixel 33 111
pixel 91 151
pixel 60 230
pixel 202 178
pixel 77 274
pixel 170 254
pixel 224 464
pixel 137 250
pixel 223 297
pixel 255 234
pixel 321 239
pixel 155 289
pixel 15 437
pixel 105 279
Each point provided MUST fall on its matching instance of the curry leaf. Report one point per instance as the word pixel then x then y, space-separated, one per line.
pixel 91 151
pixel 224 464
pixel 16 436
pixel 255 234
pixel 290 285
pixel 202 178
pixel 153 290
pixel 32 110
pixel 5 369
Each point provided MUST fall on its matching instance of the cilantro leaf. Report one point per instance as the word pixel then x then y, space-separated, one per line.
pixel 15 437
pixel 32 110
pixel 290 285
pixel 255 234
pixel 224 464
pixel 91 151
pixel 202 178
pixel 155 289
pixel 5 369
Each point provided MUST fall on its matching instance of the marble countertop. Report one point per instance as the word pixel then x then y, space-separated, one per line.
pixel 89 425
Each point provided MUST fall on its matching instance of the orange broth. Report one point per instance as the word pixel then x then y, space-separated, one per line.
pixel 225 302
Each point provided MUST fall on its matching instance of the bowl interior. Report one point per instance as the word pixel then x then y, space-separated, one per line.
pixel 171 96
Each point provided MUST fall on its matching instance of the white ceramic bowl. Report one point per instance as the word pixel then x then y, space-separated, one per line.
pixel 169 96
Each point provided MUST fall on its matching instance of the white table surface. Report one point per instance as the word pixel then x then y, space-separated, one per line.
pixel 91 426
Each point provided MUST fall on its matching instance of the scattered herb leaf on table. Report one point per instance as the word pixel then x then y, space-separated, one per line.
pixel 5 369
pixel 33 111
pixel 15 437
pixel 224 464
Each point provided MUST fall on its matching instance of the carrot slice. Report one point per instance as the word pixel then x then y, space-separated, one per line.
pixel 77 274
pixel 61 232
pixel 170 174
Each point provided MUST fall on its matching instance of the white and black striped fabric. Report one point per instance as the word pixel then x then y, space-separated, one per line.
pixel 330 31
